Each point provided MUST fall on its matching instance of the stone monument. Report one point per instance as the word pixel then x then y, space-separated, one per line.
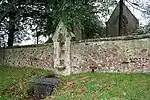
pixel 62 43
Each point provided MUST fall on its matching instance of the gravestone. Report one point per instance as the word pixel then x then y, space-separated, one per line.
pixel 43 87
pixel 62 44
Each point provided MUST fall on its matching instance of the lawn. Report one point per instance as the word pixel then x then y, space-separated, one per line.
pixel 14 82
pixel 104 86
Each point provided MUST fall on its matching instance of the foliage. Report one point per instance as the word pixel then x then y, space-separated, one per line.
pixel 9 20
pixel 82 15
pixel 73 13
pixel 104 86
pixel 143 30
pixel 14 82
pixel 17 17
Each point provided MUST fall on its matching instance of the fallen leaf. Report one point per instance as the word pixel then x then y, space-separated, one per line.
pixel 83 89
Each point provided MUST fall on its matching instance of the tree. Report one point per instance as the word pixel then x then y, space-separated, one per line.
pixel 42 17
pixel 81 15
pixel 19 16
pixel 11 14
pixel 72 13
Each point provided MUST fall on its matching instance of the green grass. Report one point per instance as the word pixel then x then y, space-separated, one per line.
pixel 104 86
pixel 14 82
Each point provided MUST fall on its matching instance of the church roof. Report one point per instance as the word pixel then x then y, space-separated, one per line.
pixel 115 13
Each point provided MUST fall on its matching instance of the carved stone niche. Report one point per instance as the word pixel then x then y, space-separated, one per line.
pixel 62 43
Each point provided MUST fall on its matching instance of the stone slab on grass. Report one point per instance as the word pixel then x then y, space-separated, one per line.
pixel 44 86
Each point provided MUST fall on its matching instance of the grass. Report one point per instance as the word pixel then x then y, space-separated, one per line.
pixel 104 86
pixel 14 82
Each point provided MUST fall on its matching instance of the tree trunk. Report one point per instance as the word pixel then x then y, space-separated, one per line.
pixel 11 29
pixel 11 36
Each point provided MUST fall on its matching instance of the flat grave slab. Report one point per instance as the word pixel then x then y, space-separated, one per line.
pixel 43 87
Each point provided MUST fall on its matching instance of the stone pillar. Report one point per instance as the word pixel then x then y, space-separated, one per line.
pixel 62 62
pixel 66 68
pixel 56 54
pixel 68 56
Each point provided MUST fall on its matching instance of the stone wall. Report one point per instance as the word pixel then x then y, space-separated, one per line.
pixel 115 55
pixel 40 56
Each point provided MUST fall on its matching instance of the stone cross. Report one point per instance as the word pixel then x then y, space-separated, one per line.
pixel 62 44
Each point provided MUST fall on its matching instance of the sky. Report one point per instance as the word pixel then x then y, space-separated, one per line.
pixel 137 13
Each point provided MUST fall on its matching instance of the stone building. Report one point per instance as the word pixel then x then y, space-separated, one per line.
pixel 129 22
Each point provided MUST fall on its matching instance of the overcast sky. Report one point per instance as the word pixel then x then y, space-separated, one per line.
pixel 143 20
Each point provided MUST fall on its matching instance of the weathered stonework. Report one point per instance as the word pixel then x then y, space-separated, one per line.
pixel 117 54
pixel 112 56
pixel 38 56
pixel 61 39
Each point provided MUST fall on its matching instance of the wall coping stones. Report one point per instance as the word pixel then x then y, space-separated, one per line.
pixel 30 46
pixel 129 37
